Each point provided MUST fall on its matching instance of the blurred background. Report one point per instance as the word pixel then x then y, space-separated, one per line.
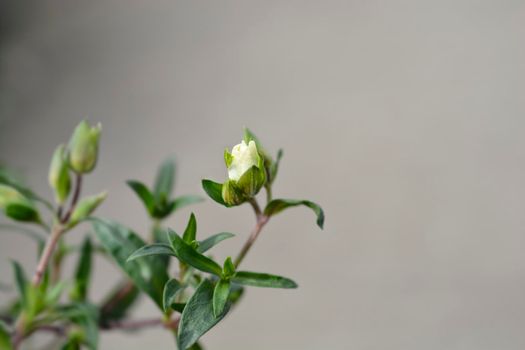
pixel 403 119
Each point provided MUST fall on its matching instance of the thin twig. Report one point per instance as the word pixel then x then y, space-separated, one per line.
pixel 46 254
pixel 261 221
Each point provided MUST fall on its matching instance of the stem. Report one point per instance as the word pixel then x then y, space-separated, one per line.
pixel 46 254
pixel 76 195
pixel 261 221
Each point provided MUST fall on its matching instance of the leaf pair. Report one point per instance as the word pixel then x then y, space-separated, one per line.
pixel 158 202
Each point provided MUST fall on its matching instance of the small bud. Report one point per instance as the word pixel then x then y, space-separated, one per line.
pixel 16 206
pixel 59 179
pixel 83 147
pixel 246 173
pixel 86 207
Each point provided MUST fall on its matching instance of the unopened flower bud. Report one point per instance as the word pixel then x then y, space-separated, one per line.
pixel 83 147
pixel 59 179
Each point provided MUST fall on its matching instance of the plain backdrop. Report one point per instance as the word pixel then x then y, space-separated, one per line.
pixel 403 119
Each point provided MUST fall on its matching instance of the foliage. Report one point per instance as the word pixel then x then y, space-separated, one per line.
pixel 190 302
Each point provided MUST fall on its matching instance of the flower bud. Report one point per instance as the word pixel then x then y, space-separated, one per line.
pixel 59 179
pixel 246 173
pixel 83 147
pixel 86 207
pixel 17 206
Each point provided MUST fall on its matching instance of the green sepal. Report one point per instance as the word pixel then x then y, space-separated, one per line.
pixel 231 194
pixel 278 205
pixel 214 191
pixel 228 158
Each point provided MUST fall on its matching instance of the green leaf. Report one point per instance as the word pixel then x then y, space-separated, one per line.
pixel 278 205
pixel 83 272
pixel 149 273
pixel 86 317
pixel 22 212
pixel 22 283
pixel 53 295
pixel 220 296
pixel 179 307
pixel 197 317
pixel 184 201
pixel 116 306
pixel 190 256
pixel 152 249
pixel 7 177
pixel 274 167
pixel 256 279
pixel 214 190
pixel 171 290
pixel 5 337
pixel 191 230
pixel 164 181
pixel 143 193
pixel 211 241
pixel 196 346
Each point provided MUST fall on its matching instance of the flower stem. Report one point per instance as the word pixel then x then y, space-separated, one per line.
pixel 261 221
pixel 47 252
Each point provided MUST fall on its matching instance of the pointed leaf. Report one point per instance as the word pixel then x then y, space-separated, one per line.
pixel 211 241
pixel 184 201
pixel 197 317
pixel 191 230
pixel 171 290
pixel 214 190
pixel 228 268
pixel 152 249
pixel 190 256
pixel 165 178
pixel 143 193
pixel 256 279
pixel 278 205
pixel 149 273
pixel 21 283
pixel 220 296
pixel 5 337
pixel 79 292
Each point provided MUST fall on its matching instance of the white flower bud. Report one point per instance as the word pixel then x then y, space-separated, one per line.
pixel 243 157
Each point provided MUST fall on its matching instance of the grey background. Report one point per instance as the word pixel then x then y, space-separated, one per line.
pixel 404 119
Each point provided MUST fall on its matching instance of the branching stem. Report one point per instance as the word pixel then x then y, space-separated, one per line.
pixel 261 221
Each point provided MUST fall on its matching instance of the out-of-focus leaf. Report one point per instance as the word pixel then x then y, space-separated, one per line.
pixel 214 190
pixel 119 302
pixel 220 296
pixel 148 273
pixel 83 272
pixel 190 256
pixel 164 180
pixel 211 241
pixel 143 193
pixel 191 230
pixel 22 230
pixel 197 317
pixel 21 212
pixel 278 205
pixel 86 317
pixel 152 249
pixel 7 177
pixel 184 201
pixel 21 283
pixel 262 280
pixel 5 337
pixel 171 291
